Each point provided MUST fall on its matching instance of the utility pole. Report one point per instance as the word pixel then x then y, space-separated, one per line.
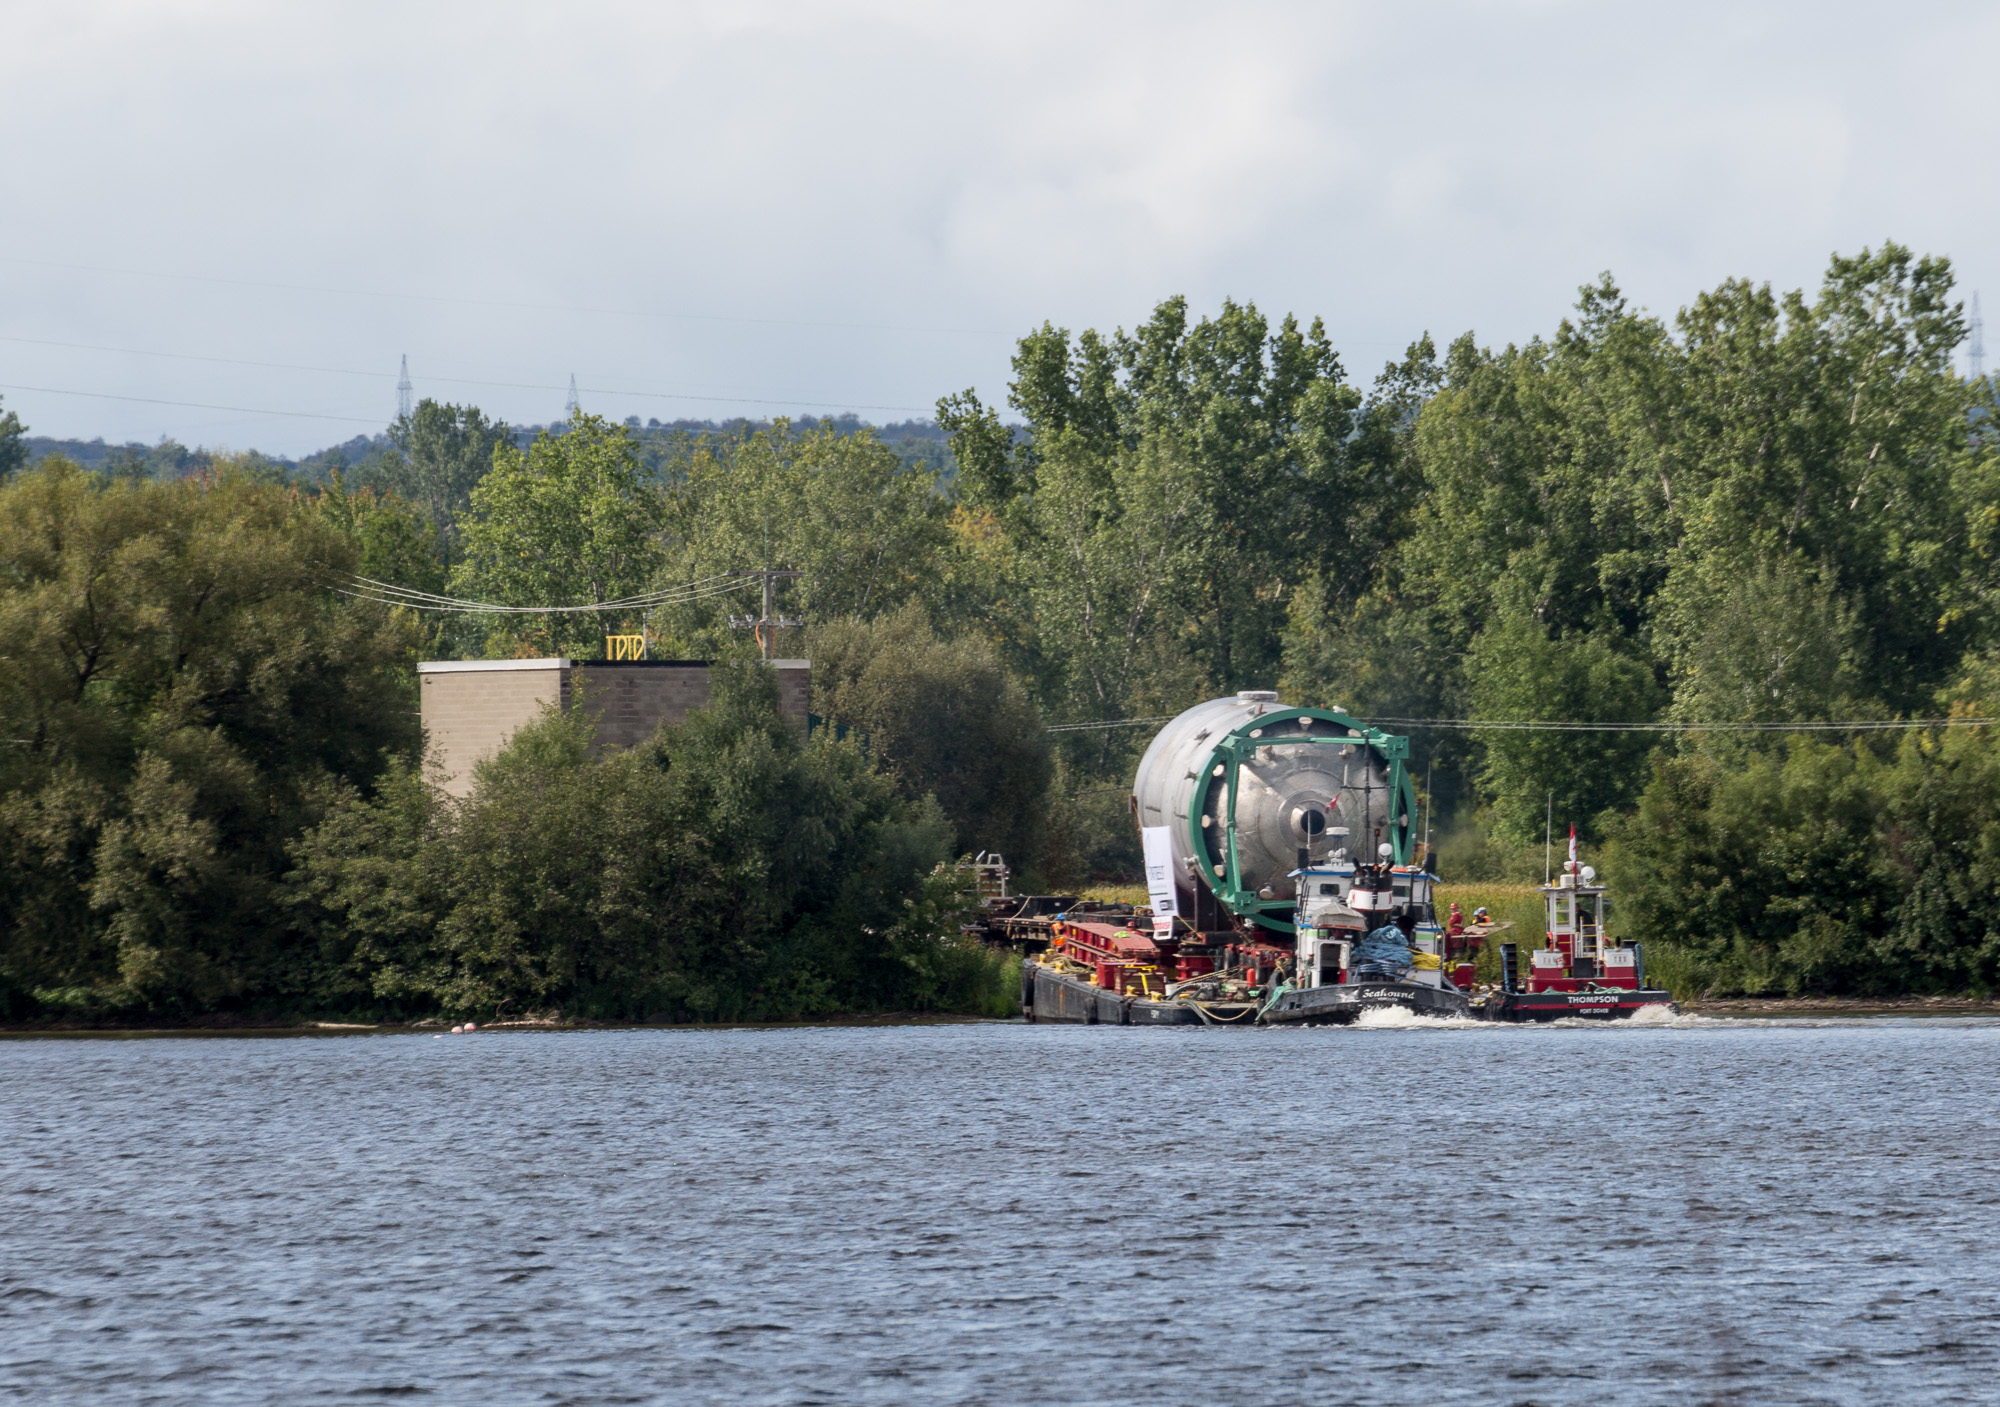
pixel 767 624
pixel 404 390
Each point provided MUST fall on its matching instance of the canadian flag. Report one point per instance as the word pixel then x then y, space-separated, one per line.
pixel 1572 842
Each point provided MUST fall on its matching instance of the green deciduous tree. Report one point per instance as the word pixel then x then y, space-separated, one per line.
pixel 394 543
pixel 1770 502
pixel 13 453
pixel 447 450
pixel 180 686
pixel 572 521
pixel 1175 489
pixel 1517 671
pixel 945 719
pixel 721 872
pixel 865 531
pixel 1826 436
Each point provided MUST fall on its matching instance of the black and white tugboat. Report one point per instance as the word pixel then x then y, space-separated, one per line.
pixel 1366 941
pixel 1578 971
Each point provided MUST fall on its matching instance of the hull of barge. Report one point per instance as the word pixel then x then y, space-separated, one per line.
pixel 1048 995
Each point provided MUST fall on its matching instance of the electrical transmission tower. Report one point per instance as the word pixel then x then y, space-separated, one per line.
pixel 404 390
pixel 1976 353
pixel 572 405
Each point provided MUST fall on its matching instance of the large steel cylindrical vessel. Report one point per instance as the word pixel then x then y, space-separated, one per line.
pixel 1300 776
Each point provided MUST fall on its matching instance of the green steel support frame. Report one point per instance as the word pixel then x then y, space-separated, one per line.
pixel 1228 755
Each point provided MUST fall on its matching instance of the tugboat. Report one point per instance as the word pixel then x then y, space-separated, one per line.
pixel 1578 971
pixel 1343 970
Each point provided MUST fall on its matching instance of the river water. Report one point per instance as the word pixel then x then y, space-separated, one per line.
pixel 1693 1212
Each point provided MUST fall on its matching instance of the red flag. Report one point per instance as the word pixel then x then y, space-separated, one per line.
pixel 1572 842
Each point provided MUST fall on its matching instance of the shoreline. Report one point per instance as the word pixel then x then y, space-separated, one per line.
pixel 214 1027
pixel 1842 1006
pixel 1759 1008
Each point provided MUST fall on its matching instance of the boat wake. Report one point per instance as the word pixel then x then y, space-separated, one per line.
pixel 1397 1018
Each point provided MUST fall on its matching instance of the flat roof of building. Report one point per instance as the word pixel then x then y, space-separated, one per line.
pixel 466 666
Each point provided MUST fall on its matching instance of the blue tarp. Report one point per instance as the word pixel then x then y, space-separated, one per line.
pixel 1384 952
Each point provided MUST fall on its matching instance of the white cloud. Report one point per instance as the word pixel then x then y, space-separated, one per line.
pixel 572 170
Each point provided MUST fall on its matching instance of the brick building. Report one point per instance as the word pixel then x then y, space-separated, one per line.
pixel 472 707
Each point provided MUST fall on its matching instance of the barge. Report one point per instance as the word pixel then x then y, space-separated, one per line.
pixel 1280 852
pixel 1287 887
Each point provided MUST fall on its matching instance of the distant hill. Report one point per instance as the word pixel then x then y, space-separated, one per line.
pixel 917 442
pixel 169 459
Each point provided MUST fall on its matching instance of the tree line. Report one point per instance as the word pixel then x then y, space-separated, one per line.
pixel 1769 509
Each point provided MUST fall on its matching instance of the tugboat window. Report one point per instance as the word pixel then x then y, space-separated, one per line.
pixel 1328 889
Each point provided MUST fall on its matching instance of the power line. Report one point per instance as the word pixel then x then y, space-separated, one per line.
pixel 1109 723
pixel 389 594
pixel 460 380
pixel 188 405
pixel 196 357
pixel 672 316
pixel 1396 344
pixel 1536 725
pixel 483 608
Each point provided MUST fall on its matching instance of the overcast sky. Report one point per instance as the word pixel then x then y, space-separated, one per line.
pixel 761 206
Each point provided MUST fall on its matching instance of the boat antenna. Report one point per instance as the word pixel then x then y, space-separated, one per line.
pixel 1368 803
pixel 1548 838
pixel 1429 768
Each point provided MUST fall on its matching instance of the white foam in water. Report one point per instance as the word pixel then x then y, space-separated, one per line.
pixel 1397 1018
pixel 1661 1015
pixel 1651 1017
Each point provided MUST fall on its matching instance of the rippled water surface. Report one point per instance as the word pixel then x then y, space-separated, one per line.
pixel 1704 1212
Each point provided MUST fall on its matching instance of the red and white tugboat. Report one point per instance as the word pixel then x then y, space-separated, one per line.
pixel 1578 971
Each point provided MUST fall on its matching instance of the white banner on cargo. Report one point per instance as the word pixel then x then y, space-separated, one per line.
pixel 1159 844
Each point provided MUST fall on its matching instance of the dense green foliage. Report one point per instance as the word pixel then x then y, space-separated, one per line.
pixel 178 688
pixel 1816 867
pixel 720 872
pixel 445 450
pixel 1178 489
pixel 1775 511
pixel 209 800
pixel 570 520
pixel 1766 510
pixel 946 720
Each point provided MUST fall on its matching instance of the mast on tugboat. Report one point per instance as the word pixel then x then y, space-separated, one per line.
pixel 1579 970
